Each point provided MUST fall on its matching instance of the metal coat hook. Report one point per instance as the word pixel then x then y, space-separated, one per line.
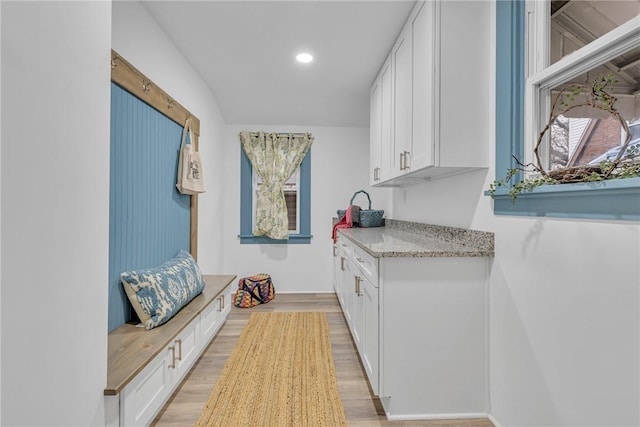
pixel 113 62
pixel 169 103
pixel 146 86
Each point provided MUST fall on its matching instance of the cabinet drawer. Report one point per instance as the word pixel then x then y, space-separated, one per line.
pixel 346 247
pixel 367 264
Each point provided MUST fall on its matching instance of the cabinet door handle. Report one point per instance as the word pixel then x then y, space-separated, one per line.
pixel 173 357
pixel 179 342
pixel 402 161
pixel 358 280
pixel 407 160
pixel 342 263
pixel 221 302
pixel 335 250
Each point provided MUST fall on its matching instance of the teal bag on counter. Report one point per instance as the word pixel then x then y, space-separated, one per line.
pixel 368 217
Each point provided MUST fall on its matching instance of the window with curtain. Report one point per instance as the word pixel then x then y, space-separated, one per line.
pixel 275 171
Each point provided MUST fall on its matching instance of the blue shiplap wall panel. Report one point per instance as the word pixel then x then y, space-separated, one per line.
pixel 149 220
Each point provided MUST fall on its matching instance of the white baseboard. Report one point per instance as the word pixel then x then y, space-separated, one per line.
pixel 437 416
pixel 494 421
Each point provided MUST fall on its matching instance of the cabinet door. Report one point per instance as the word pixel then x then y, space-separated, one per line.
pixel 336 269
pixel 357 309
pixel 187 346
pixel 144 396
pixel 227 301
pixel 423 132
pixel 370 351
pixel 340 281
pixel 375 132
pixel 209 321
pixel 402 101
pixel 386 117
pixel 348 284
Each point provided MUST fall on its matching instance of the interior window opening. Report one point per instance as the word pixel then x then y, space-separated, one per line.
pixel 584 136
pixel 576 23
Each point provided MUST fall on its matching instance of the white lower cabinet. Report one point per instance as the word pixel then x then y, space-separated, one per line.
pixel 359 300
pixel 209 320
pixel 144 396
pixel 420 328
pixel 370 335
pixel 185 346
pixel 141 399
pixel 212 317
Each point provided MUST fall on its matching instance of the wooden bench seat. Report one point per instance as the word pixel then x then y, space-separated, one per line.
pixel 131 348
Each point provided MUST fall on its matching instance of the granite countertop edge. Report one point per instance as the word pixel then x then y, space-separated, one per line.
pixel 417 240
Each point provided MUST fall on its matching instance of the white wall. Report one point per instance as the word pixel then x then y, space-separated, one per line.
pixel 55 204
pixel 564 306
pixel 339 167
pixel 139 39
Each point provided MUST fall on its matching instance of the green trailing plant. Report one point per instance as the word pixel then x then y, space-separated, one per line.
pixel 598 96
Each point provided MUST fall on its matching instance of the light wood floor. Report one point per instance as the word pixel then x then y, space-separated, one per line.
pixel 361 408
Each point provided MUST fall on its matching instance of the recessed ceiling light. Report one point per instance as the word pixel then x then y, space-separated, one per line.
pixel 304 58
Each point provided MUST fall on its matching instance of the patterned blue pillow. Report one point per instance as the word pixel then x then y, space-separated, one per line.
pixel 158 293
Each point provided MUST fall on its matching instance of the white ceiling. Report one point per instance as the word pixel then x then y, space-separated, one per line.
pixel 245 51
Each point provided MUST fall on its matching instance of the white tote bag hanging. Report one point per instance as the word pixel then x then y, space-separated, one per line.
pixel 190 179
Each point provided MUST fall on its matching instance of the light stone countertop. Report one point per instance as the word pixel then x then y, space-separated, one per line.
pixel 410 239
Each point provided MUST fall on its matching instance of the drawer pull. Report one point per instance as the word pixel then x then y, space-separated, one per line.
pixel 342 263
pixel 335 250
pixel 173 357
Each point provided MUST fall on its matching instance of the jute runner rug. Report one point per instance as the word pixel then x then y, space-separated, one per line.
pixel 280 373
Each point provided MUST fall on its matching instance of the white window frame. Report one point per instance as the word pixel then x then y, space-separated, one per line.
pixel 254 201
pixel 542 77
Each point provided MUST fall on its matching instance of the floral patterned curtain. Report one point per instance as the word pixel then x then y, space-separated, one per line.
pixel 274 157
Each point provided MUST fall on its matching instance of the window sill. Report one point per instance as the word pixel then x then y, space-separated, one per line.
pixel 294 239
pixel 617 199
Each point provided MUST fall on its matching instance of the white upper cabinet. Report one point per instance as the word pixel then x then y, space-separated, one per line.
pixel 422 137
pixel 438 96
pixel 375 131
pixel 402 101
pixel 381 126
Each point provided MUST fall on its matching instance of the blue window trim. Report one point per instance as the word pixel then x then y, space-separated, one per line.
pixel 246 205
pixel 606 200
